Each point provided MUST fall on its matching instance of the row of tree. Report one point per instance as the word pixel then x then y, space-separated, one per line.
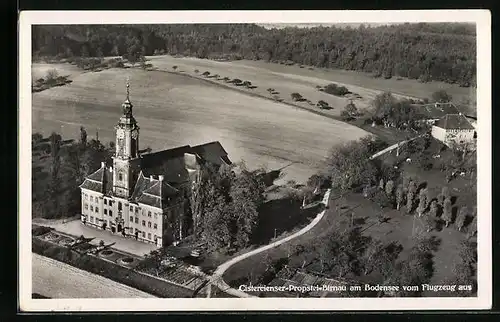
pixel 398 50
pixel 57 176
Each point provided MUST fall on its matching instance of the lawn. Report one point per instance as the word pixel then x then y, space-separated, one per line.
pixel 259 131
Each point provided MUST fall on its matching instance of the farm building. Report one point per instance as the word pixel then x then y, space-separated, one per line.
pixel 431 113
pixel 454 128
pixel 145 195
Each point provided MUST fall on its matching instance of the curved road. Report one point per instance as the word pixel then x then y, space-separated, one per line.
pixel 217 279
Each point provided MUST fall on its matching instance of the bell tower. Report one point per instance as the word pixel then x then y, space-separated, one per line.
pixel 126 159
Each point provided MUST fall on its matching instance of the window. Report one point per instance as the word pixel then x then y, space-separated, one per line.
pixel 92 198
pixel 149 224
pixel 91 219
pixel 136 210
pixel 105 211
pixel 91 208
pixel 120 176
pixel 131 219
pixel 156 215
pixel 155 226
pixel 111 213
pixel 144 223
pixel 136 220
pixel 143 235
pixel 96 209
pixel 149 236
pixel 156 238
pixel 119 206
pixel 105 201
pixel 86 206
pixel 86 196
pixel 149 213
pixel 131 208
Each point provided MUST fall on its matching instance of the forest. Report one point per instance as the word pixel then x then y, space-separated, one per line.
pixel 424 51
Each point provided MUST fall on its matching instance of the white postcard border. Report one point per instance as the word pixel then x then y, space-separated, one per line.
pixel 481 18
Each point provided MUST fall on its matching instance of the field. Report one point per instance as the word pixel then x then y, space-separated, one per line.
pixel 47 281
pixel 174 110
pixel 288 79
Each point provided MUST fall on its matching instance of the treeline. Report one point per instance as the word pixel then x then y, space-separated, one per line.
pixel 59 167
pixel 442 52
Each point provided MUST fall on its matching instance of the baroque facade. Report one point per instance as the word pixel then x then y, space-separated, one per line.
pixel 145 196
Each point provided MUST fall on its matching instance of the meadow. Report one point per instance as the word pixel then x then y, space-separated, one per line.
pixel 289 79
pixel 174 110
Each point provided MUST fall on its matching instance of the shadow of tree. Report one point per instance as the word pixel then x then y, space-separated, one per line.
pixel 281 215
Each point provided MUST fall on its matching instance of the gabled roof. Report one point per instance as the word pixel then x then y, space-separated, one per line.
pixel 153 192
pixel 99 181
pixel 174 164
pixel 454 122
pixel 434 111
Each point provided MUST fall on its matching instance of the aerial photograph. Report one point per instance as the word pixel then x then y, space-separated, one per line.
pixel 239 160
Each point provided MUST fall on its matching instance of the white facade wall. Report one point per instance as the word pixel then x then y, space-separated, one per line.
pixel 448 136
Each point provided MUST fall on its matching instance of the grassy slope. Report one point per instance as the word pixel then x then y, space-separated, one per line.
pixel 174 110
pixel 289 79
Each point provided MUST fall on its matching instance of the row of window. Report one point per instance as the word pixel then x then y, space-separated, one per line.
pixel 136 230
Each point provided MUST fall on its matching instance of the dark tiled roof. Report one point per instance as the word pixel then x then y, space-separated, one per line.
pixel 150 200
pixel 213 152
pixel 153 192
pixel 431 111
pixel 454 122
pixel 99 181
pixel 173 163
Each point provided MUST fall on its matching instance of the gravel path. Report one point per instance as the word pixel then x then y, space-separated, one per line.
pixel 217 277
pixel 58 280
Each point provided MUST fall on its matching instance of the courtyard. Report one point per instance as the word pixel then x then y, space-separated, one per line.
pixel 76 228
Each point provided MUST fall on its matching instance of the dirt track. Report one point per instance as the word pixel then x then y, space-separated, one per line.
pixel 55 279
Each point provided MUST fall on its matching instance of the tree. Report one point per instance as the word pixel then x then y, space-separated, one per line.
pixel 429 222
pixel 434 208
pixel 83 137
pixel 399 196
pixel 447 211
pixel 99 52
pixel 322 104
pixel 412 187
pixel 460 220
pixel 421 206
pixel 441 96
pixel 424 198
pixel 381 184
pixel 351 109
pixel 51 75
pixel 296 97
pixel 472 229
pixel 409 201
pixel 389 189
pixel 445 194
pixel 348 164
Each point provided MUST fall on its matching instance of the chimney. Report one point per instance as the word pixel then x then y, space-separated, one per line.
pixel 103 165
pixel 160 177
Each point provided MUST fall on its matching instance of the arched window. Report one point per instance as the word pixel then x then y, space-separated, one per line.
pixel 120 176
pixel 119 206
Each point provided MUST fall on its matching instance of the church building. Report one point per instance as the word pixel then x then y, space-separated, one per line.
pixel 145 196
